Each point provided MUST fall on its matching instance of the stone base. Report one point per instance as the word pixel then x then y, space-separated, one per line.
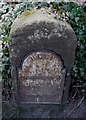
pixel 39 111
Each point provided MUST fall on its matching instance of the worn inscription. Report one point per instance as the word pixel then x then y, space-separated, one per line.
pixel 41 78
pixel 45 33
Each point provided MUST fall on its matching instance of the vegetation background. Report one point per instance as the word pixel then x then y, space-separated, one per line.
pixel 70 12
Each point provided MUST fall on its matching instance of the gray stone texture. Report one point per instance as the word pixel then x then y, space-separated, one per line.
pixel 41 75
pixel 39 32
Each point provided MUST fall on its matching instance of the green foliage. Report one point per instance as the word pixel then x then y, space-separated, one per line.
pixel 77 19
pixel 78 23
pixel 70 12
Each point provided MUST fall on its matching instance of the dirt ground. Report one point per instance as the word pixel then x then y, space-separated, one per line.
pixel 75 108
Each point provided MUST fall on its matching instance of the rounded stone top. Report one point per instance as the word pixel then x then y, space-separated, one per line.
pixel 36 16
pixel 38 31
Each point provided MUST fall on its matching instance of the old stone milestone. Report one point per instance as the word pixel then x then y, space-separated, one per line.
pixel 42 53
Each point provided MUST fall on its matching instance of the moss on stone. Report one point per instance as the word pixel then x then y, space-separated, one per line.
pixel 27 12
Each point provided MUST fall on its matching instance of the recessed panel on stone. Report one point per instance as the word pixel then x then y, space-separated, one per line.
pixel 41 78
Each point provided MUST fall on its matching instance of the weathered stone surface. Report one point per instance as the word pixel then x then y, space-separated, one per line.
pixel 37 16
pixel 41 31
pixel 42 52
pixel 41 75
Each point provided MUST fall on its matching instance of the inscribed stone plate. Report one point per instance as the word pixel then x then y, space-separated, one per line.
pixel 41 78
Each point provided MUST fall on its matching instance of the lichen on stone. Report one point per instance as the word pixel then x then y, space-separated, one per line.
pixel 27 12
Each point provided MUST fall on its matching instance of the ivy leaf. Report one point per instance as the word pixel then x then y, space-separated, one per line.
pixel 76 19
pixel 6 39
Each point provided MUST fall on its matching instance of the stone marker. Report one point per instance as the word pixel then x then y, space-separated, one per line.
pixel 42 53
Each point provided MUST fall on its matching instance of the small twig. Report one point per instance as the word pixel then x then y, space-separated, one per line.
pixel 77 86
pixel 72 100
pixel 76 106
pixel 73 96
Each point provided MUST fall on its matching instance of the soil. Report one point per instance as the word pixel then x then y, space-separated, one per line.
pixel 75 107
